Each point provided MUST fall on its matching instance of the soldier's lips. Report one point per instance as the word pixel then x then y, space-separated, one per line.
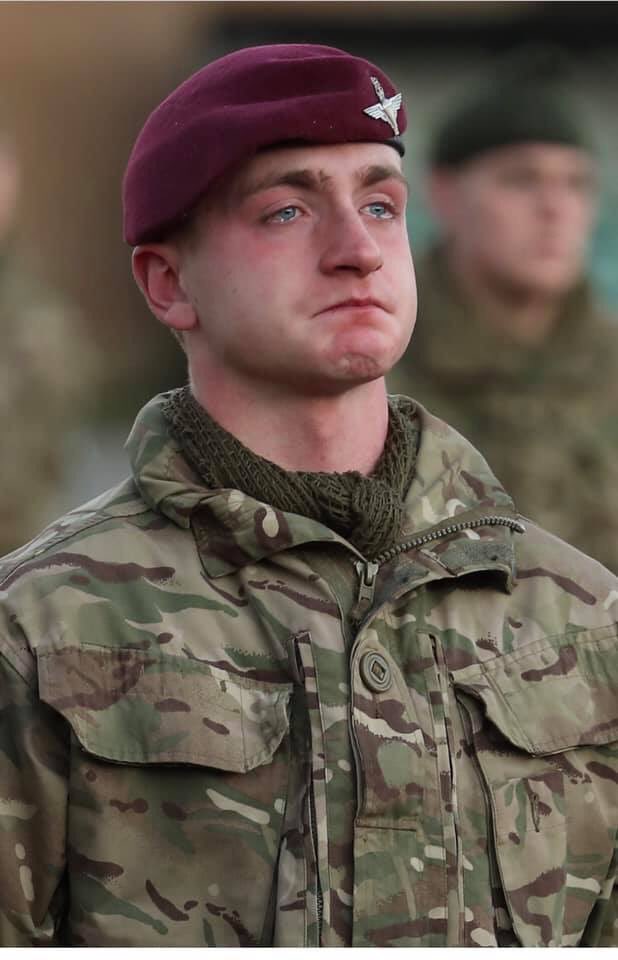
pixel 353 303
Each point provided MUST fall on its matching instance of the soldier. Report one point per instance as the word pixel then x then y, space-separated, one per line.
pixel 44 370
pixel 512 347
pixel 305 678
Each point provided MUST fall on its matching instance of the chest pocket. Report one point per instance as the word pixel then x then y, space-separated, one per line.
pixel 178 788
pixel 543 725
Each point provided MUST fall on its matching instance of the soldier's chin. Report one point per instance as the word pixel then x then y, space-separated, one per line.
pixel 550 279
pixel 360 368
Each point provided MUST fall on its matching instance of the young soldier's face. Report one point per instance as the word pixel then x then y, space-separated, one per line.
pixel 301 274
pixel 520 216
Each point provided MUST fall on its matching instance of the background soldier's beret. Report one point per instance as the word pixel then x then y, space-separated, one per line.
pixel 231 108
pixel 526 100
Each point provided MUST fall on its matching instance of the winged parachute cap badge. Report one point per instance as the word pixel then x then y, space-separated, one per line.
pixel 387 108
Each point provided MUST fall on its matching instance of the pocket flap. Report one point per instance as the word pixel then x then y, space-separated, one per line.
pixel 129 706
pixel 551 695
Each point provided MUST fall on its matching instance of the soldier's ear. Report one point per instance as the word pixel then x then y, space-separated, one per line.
pixel 156 269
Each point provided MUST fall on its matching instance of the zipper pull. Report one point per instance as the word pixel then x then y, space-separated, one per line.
pixel 367 571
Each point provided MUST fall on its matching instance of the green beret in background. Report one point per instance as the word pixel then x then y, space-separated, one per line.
pixel 525 100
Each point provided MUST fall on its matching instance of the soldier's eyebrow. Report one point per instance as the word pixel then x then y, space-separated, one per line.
pixel 306 179
pixel 378 173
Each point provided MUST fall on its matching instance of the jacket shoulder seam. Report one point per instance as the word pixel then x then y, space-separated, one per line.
pixel 64 536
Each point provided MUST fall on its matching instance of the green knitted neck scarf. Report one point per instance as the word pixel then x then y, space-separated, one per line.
pixel 368 511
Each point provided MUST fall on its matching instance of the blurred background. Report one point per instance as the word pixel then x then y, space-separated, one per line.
pixel 80 351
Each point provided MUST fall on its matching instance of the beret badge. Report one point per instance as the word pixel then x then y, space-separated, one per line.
pixel 386 108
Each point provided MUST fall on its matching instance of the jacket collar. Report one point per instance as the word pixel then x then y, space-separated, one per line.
pixel 452 486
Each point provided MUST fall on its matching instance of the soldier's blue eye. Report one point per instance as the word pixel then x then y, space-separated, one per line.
pixel 379 210
pixel 285 214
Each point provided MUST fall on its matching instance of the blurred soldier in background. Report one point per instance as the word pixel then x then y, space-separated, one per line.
pixel 511 346
pixel 44 369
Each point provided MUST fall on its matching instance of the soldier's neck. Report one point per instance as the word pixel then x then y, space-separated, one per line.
pixel 522 315
pixel 331 434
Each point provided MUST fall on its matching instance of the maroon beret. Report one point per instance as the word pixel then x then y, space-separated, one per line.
pixel 247 100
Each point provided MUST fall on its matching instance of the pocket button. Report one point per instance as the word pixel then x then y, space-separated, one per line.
pixel 375 672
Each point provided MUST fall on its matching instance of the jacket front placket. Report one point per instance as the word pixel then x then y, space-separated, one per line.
pixel 408 864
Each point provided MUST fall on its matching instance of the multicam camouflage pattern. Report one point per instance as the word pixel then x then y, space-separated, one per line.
pixel 543 416
pixel 196 748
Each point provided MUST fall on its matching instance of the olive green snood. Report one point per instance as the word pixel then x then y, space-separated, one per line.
pixel 366 510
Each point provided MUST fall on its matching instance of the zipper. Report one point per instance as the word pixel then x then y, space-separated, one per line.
pixel 420 541
pixel 495 874
pixel 367 570
pixel 319 896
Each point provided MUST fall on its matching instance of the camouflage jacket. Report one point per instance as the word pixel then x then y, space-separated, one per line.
pixel 545 417
pixel 223 726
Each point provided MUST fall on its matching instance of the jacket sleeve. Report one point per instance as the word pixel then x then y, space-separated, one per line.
pixel 34 759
